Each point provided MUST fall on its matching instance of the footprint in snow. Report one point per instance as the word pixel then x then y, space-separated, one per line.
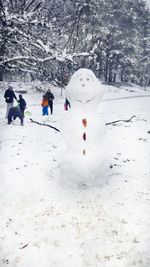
pixel 143 139
pixel 5 261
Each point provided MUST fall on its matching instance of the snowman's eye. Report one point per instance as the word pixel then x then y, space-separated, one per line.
pixel 88 79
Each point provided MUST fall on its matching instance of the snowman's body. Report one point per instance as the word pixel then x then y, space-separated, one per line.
pixel 83 128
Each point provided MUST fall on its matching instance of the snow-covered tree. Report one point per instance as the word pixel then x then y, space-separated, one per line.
pixel 47 39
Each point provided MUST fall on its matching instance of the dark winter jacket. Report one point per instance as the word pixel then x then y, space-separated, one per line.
pixel 22 103
pixel 49 96
pixel 67 103
pixel 14 113
pixel 9 96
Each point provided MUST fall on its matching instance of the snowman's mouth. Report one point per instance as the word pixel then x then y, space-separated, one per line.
pixel 87 101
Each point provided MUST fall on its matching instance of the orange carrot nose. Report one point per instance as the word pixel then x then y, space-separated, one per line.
pixel 84 121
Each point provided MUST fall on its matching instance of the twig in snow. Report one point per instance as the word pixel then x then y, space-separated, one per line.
pixel 44 124
pixel 108 123
pixel 24 246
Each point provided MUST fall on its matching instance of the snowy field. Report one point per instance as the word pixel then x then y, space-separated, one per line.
pixel 43 222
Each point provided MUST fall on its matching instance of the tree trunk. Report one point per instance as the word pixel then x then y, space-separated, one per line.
pixel 106 70
pixel 122 74
pixel 1 74
pixel 110 73
pixel 114 77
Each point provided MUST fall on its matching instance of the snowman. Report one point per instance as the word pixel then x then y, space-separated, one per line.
pixel 83 130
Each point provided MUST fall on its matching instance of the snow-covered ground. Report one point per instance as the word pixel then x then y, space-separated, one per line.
pixel 43 222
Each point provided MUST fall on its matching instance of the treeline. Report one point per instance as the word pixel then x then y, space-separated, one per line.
pixel 48 40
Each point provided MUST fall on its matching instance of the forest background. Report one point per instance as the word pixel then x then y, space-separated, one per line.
pixel 49 40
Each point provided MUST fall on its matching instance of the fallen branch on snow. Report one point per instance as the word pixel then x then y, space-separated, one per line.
pixel 24 246
pixel 44 124
pixel 108 123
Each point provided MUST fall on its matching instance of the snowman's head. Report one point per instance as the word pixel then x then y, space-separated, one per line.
pixel 84 87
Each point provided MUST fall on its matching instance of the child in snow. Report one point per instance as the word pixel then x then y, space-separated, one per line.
pixel 22 104
pixel 44 105
pixel 67 104
pixel 14 113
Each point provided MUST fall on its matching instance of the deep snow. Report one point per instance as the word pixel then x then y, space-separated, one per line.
pixel 45 223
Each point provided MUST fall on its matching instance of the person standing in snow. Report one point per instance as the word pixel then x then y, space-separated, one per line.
pixel 14 113
pixel 50 98
pixel 67 104
pixel 45 105
pixel 22 104
pixel 9 98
